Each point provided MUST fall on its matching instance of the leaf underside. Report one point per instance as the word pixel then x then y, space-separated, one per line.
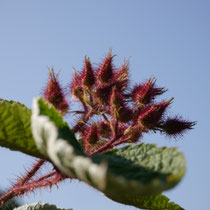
pixel 15 129
pixel 39 206
pixel 132 175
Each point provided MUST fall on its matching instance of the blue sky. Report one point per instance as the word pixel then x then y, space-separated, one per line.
pixel 165 39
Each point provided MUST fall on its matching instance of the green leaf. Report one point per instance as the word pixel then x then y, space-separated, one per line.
pixel 39 206
pixel 153 202
pixel 64 130
pixel 15 130
pixel 132 175
pixel 142 167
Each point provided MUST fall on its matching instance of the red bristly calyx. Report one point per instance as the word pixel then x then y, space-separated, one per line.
pixel 55 94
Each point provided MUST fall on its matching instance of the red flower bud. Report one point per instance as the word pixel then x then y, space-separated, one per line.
pixel 88 77
pixel 134 133
pixel 122 77
pixel 105 71
pixel 76 86
pixel 150 116
pixel 125 114
pixel 145 93
pixel 116 98
pixel 104 129
pixel 102 93
pixel 121 128
pixel 176 126
pixel 115 103
pixel 92 134
pixel 118 109
pixel 54 94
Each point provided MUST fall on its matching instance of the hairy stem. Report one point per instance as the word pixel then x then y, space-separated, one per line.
pixel 44 181
pixel 32 172
pixel 10 193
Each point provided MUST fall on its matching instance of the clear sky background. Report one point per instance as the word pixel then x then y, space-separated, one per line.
pixel 166 39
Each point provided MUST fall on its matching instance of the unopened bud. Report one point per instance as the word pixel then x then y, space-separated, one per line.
pixel 105 71
pixel 150 116
pixel 145 93
pixel 92 134
pixel 118 108
pixel 176 126
pixel 54 94
pixel 116 99
pixel 102 93
pixel 88 77
pixel 76 86
pixel 125 114
pixel 122 77
pixel 134 133
pixel 104 129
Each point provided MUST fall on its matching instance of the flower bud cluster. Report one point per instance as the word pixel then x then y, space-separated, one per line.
pixel 123 113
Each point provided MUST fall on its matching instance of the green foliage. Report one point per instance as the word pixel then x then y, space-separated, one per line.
pixel 15 129
pixel 132 175
pixel 153 202
pixel 64 131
